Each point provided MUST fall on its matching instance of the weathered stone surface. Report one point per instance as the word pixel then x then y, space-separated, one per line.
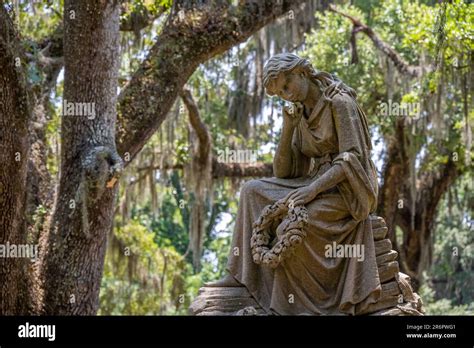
pixel 405 309
pixel 392 255
pixel 397 298
pixel 384 303
pixel 225 301
pixel 377 221
pixel 391 289
pixel 409 302
pixel 228 292
pixel 382 246
pixel 388 271
pixel 380 233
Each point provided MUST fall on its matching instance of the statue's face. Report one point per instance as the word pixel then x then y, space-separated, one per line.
pixel 290 86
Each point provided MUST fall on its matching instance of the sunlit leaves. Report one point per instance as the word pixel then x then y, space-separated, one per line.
pixel 37 19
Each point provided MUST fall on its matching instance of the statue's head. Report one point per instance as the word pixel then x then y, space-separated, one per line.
pixel 288 76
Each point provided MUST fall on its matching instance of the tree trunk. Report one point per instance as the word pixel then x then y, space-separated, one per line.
pixel 394 176
pixel 417 245
pixel 83 212
pixel 15 113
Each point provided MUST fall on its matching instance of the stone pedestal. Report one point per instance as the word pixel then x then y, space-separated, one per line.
pixel 225 301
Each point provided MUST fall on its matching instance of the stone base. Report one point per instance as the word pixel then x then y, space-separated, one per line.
pixel 397 299
pixel 225 301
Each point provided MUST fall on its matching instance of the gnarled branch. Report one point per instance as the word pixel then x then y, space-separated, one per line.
pixel 189 38
pixel 202 133
pixel 402 66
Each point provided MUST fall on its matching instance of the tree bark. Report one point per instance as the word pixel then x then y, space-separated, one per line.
pixel 199 169
pixel 15 114
pixel 225 170
pixel 40 183
pixel 241 170
pixel 83 214
pixel 394 175
pixel 417 245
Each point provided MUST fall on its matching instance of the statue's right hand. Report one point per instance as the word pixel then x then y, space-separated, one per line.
pixel 292 115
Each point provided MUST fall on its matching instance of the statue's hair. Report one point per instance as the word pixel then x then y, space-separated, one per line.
pixel 287 62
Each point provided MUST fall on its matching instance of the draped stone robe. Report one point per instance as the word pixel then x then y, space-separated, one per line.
pixel 308 282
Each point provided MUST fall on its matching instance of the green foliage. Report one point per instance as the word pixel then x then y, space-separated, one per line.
pixel 215 256
pixel 170 231
pixel 328 49
pixel 452 270
pixel 38 19
pixel 141 277
pixel 146 271
pixel 443 306
pixel 422 34
pixel 211 90
pixel 153 7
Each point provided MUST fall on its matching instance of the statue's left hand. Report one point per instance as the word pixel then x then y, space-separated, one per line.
pixel 302 195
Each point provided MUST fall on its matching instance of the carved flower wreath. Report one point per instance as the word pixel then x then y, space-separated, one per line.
pixel 289 234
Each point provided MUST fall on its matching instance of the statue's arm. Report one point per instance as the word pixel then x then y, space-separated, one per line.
pixel 289 162
pixel 306 194
pixel 352 145
pixel 350 137
pixel 283 161
pixel 347 126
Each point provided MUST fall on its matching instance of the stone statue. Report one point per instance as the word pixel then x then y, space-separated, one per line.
pixel 306 241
